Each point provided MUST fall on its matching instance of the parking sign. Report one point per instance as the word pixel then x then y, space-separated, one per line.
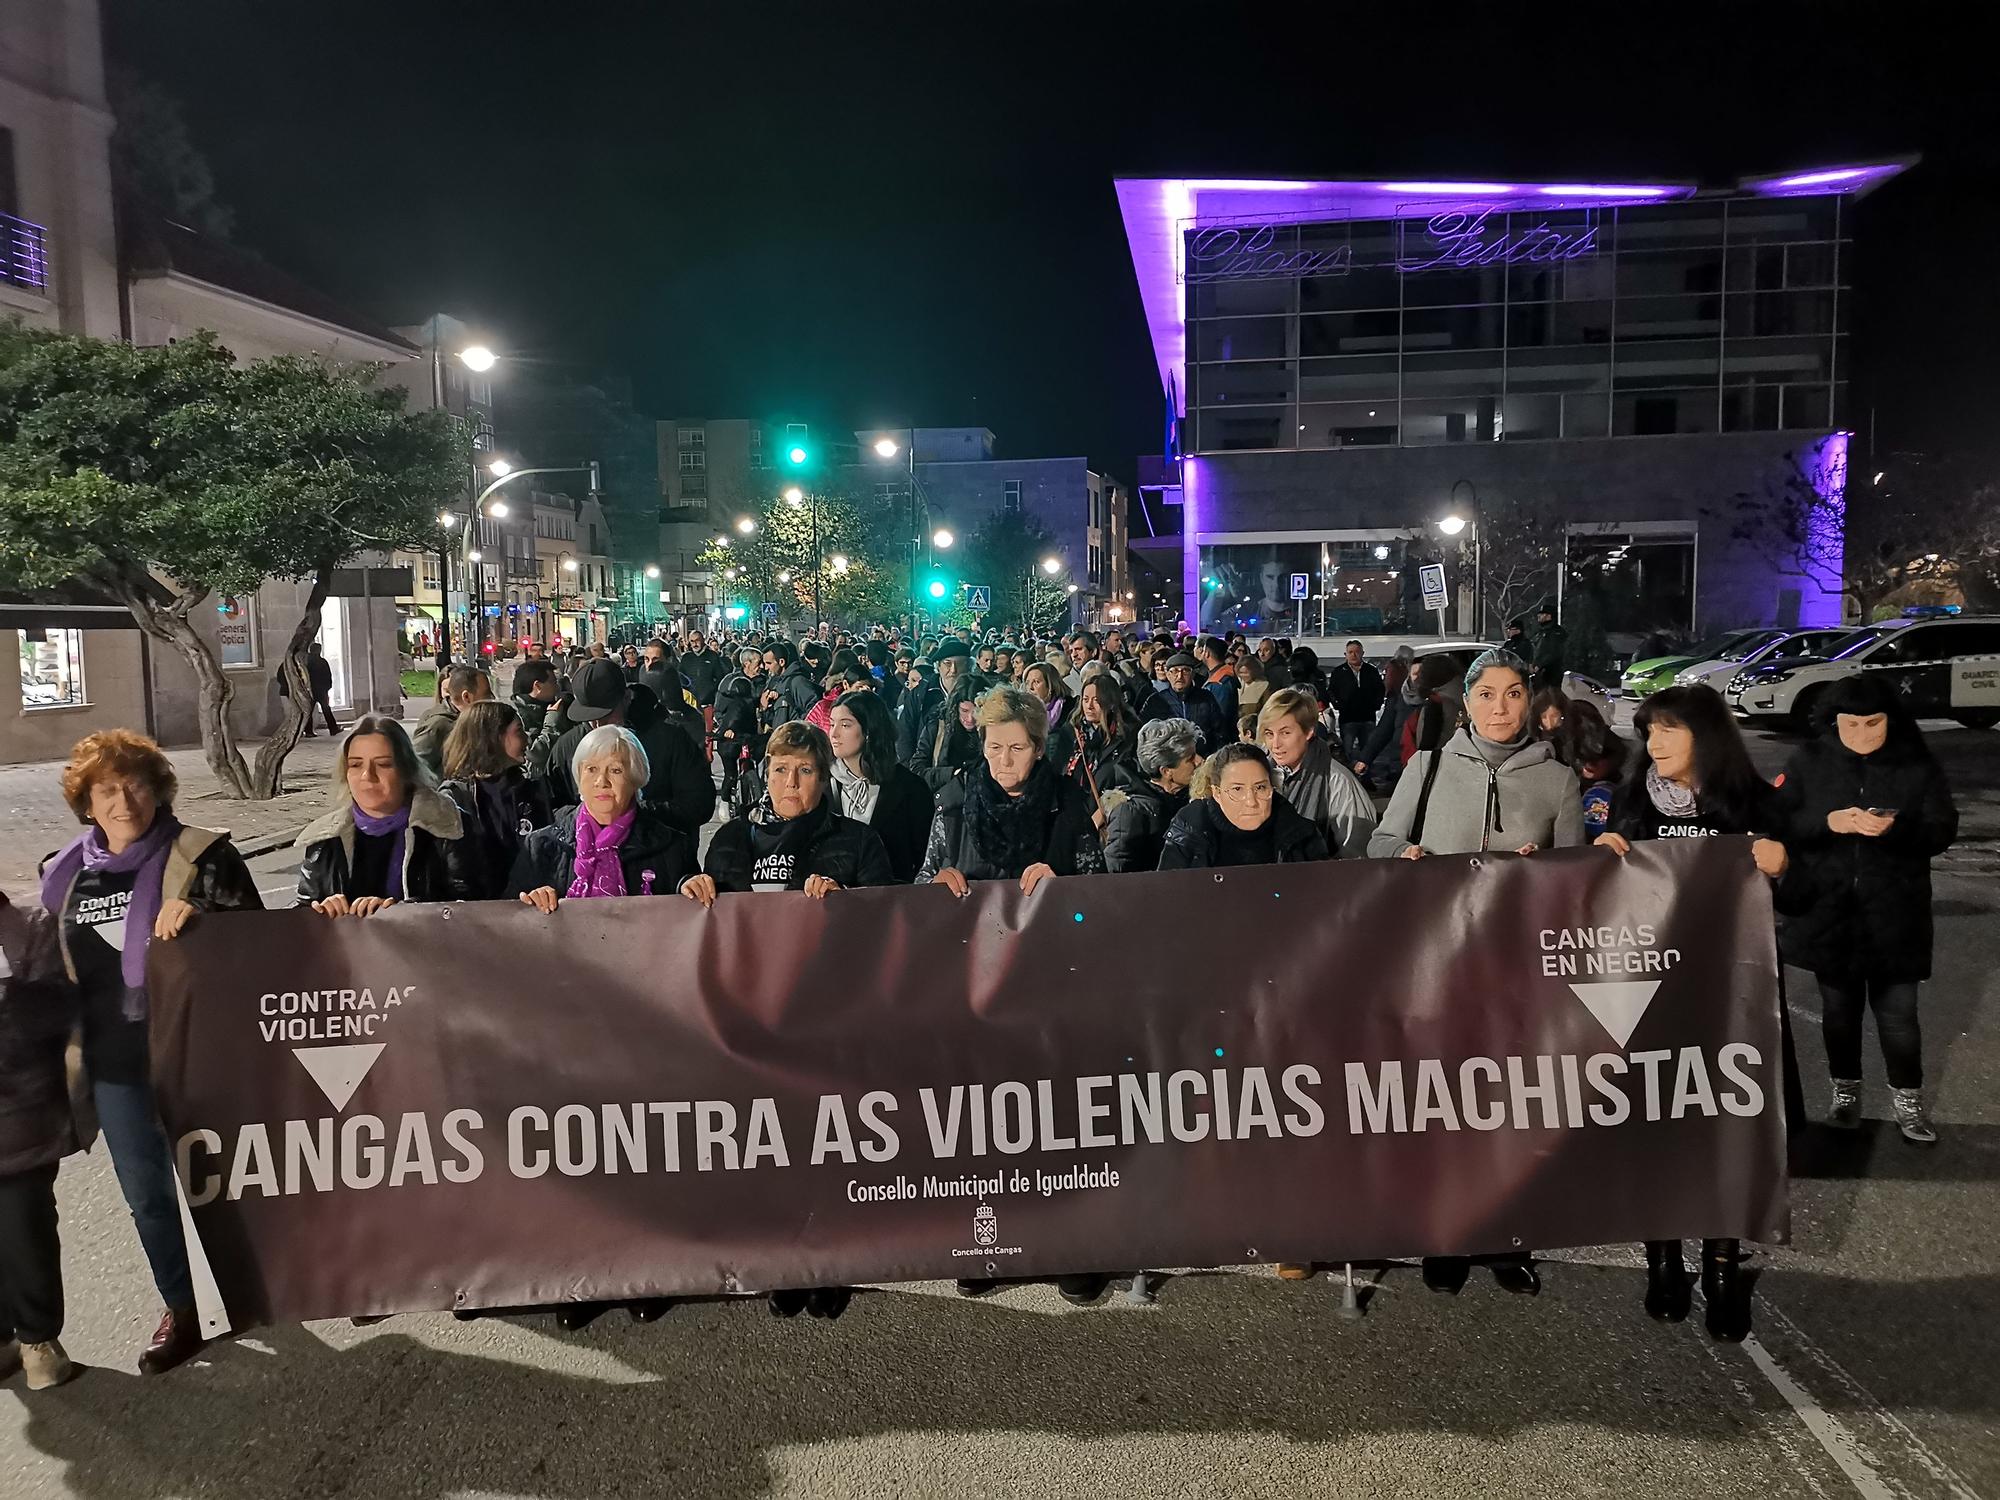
pixel 1301 583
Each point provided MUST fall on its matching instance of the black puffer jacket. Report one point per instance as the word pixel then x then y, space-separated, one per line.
pixel 500 811
pixel 656 856
pixel 1199 708
pixel 736 708
pixel 846 852
pixel 1135 829
pixel 44 1098
pixel 1863 905
pixel 440 861
pixel 1066 842
pixel 797 693
pixel 1200 836
pixel 704 671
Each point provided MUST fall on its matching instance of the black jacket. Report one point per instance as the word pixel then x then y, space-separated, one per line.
pixel 1135 829
pixel 704 671
pixel 736 708
pixel 1199 836
pixel 902 820
pixel 533 714
pixel 797 693
pixel 912 709
pixel 499 811
pixel 679 784
pixel 1199 708
pixel 847 852
pixel 1864 905
pixel 440 861
pixel 319 675
pixel 1067 842
pixel 654 847
pixel 1113 763
pixel 44 1099
pixel 1356 695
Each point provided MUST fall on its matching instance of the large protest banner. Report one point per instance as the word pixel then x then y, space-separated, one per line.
pixel 479 1106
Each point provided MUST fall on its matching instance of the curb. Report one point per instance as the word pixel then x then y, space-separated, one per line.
pixel 269 843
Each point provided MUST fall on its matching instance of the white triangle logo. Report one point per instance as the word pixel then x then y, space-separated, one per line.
pixel 113 932
pixel 1617 1003
pixel 339 1070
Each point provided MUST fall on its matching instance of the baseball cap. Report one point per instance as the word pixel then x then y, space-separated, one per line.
pixel 596 689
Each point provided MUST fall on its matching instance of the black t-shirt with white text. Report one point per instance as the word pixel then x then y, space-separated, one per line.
pixel 95 933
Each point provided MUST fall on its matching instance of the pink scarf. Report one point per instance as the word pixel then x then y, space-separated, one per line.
pixel 597 871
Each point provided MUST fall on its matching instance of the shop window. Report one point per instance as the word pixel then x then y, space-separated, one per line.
pixel 52 669
pixel 236 630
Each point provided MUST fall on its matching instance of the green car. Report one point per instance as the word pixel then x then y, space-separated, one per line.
pixel 1644 678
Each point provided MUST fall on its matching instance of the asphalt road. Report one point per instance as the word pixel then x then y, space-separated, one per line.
pixel 1875 1369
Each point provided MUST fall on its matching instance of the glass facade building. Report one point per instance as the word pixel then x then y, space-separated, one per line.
pixel 1706 315
pixel 1362 378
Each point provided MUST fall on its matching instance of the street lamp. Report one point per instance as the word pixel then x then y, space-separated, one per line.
pixel 745 525
pixel 795 497
pixel 942 539
pixel 839 563
pixel 886 447
pixel 499 466
pixel 478 358
pixel 497 509
pixel 1452 525
pixel 474 555
pixel 1052 566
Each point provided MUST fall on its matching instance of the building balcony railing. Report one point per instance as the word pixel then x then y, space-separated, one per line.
pixel 24 254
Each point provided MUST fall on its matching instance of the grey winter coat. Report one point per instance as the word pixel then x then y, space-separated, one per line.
pixel 1530 798
pixel 1331 797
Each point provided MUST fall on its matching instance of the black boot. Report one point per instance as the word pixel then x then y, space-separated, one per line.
pixel 1517 1274
pixel 978 1288
pixel 1082 1290
pixel 1668 1294
pixel 828 1301
pixel 1726 1291
pixel 574 1315
pixel 1446 1273
pixel 788 1304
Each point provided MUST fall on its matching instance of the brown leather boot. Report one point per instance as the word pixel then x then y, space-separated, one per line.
pixel 176 1341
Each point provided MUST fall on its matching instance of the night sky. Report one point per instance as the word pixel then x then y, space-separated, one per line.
pixel 861 213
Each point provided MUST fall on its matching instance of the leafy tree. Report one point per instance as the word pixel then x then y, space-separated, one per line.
pixel 776 562
pixel 1004 552
pixel 165 475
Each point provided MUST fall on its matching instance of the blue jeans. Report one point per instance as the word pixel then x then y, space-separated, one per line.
pixel 1353 736
pixel 144 1163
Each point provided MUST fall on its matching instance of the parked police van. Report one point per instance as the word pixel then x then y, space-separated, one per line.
pixel 1944 666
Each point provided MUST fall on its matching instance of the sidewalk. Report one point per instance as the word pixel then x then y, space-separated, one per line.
pixel 35 821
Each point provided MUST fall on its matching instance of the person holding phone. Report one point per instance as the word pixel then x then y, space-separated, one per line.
pixel 1866 808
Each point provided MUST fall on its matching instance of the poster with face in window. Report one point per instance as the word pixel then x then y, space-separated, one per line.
pixel 234 632
pixel 1249 588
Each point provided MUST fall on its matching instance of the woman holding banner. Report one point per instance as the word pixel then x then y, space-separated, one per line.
pixel 1697 781
pixel 1244 821
pixel 793 839
pixel 394 836
pixel 1490 786
pixel 1010 815
pixel 611 844
pixel 135 876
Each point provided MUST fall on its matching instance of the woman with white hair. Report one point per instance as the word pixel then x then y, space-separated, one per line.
pixel 1136 827
pixel 611 844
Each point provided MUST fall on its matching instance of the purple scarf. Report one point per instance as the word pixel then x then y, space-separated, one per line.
pixel 148 857
pixel 597 871
pixel 397 823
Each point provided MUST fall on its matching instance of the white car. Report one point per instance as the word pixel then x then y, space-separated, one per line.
pixel 1942 668
pixel 1781 647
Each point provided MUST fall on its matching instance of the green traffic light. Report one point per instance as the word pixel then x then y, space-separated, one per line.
pixel 937 588
pixel 796 454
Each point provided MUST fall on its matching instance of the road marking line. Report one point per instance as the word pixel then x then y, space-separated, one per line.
pixel 1841 1445
pixel 1918 1449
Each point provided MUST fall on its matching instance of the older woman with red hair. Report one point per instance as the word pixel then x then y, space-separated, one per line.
pixel 136 875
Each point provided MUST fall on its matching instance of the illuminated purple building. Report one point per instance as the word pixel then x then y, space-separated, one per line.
pixel 1348 364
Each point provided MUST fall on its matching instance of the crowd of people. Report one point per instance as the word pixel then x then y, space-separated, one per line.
pixel 878 759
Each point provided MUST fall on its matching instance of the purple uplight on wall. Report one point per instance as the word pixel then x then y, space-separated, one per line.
pixel 1191 538
pixel 1826 530
pixel 1853 179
